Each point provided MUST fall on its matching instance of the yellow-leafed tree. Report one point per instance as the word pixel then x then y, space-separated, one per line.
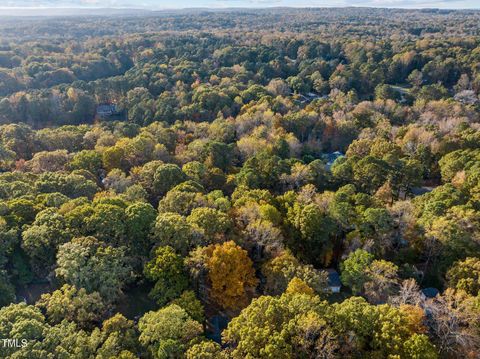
pixel 232 275
pixel 298 286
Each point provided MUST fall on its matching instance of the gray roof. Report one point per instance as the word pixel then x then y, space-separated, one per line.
pixel 331 157
pixel 430 292
pixel 106 108
pixel 333 278
pixel 418 191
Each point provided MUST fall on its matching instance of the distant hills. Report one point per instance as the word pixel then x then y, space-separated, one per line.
pixel 62 12
pixel 71 12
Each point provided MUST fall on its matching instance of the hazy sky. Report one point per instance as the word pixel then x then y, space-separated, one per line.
pixel 162 4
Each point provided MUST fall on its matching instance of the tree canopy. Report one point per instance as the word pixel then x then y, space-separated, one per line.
pixel 267 183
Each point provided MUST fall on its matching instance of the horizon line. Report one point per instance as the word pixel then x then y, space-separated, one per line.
pixel 226 8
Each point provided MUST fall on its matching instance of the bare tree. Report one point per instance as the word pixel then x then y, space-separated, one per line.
pixel 409 293
pixel 453 323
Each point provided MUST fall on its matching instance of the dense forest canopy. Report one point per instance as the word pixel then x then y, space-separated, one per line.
pixel 281 183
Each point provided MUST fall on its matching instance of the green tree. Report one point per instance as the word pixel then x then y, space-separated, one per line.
pixel 6 157
pixel 21 211
pixel 172 229
pixel 40 241
pixel 205 350
pixel 139 220
pixel 465 275
pixel 74 305
pixel 191 304
pixel 166 177
pixel 377 331
pixel 107 223
pixel 386 92
pixel 181 202
pixel 86 262
pixel 7 290
pixel 118 338
pixel 313 229
pixel 271 327
pixel 21 321
pixel 369 173
pixel 167 271
pixel 71 185
pixel 64 339
pixel 195 170
pixel 86 160
pixel 168 332
pixel 353 270
pixel 212 223
pixel 113 157
pixel 419 346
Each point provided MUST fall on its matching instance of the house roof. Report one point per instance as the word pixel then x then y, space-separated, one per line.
pixel 333 278
pixel 430 292
pixel 331 157
pixel 106 106
pixel 418 191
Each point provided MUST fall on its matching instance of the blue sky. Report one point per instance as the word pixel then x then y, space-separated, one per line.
pixel 168 4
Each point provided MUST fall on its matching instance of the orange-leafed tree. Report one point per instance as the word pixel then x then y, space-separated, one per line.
pixel 231 274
